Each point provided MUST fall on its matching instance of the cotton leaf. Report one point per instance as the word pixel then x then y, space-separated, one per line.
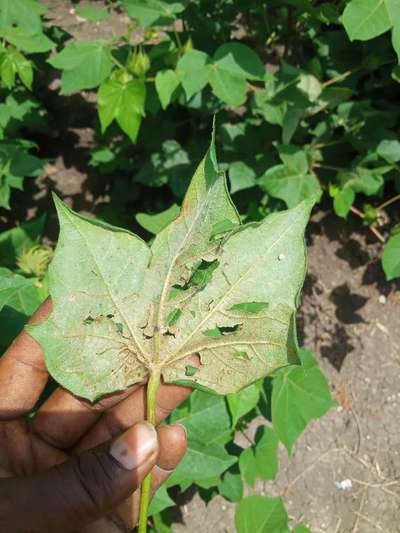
pixel 366 19
pixel 85 64
pixel 24 13
pixel 261 514
pixel 123 310
pixel 166 83
pixel 391 257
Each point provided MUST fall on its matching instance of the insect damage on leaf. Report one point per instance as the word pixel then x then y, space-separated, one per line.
pixel 220 228
pixel 190 370
pixel 241 354
pixel 221 330
pixel 173 317
pixel 115 299
pixel 203 273
pixel 250 307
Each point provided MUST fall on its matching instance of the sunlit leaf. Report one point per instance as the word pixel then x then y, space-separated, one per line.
pixel 123 101
pixel 300 394
pixel 157 222
pixel 85 64
pixel 152 12
pixel 166 83
pixel 261 514
pixel 118 279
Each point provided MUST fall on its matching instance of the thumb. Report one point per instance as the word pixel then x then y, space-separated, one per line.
pixel 84 488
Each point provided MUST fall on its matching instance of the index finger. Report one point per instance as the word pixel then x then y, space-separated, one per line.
pixel 23 374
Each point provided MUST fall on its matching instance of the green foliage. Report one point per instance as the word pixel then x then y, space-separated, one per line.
pixel 243 402
pixel 366 19
pixel 23 13
pixel 260 461
pixel 118 95
pixel 15 164
pixel 22 287
pixel 391 257
pixel 85 64
pixel 157 222
pixel 300 394
pixel 264 514
pixel 154 11
pixel 307 107
pixel 291 181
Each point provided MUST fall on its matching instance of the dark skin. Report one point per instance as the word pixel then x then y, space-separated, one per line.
pixel 58 471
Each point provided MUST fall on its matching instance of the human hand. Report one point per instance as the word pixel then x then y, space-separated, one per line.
pixel 76 466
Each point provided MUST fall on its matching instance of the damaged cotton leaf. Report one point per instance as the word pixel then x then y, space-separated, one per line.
pixel 230 300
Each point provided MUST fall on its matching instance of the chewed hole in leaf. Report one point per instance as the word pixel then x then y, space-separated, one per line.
pixel 219 331
pixel 249 307
pixel 190 370
pixel 173 316
pixel 199 278
pixel 203 274
pixel 120 327
pixel 241 354
pixel 222 227
pixel 175 292
pixel 88 320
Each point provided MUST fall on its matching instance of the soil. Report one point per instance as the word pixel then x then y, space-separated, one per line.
pixel 350 317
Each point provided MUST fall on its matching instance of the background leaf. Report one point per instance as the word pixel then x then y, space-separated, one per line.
pixel 85 65
pixel 154 12
pixel 391 258
pixel 261 514
pixel 166 83
pixel 157 222
pixel 365 19
pixel 123 102
pixel 299 395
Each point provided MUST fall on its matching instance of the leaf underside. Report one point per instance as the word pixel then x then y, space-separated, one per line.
pixel 122 309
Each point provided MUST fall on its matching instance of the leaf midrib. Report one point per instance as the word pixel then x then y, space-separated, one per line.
pixel 165 289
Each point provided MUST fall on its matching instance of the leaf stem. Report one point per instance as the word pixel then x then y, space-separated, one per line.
pixel 178 39
pixel 388 202
pixel 373 229
pixel 145 490
pixel 337 79
pixel 329 167
pixel 116 62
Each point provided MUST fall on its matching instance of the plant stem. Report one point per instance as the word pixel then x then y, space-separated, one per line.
pixel 375 231
pixel 116 62
pixel 178 39
pixel 330 143
pixel 328 167
pixel 388 202
pixel 337 79
pixel 145 489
